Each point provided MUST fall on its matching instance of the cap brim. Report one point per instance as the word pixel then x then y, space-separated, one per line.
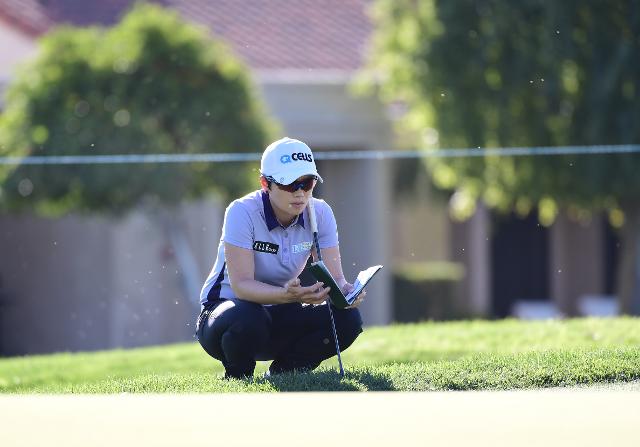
pixel 290 177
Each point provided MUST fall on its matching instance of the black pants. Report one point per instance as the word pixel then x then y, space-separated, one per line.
pixel 295 337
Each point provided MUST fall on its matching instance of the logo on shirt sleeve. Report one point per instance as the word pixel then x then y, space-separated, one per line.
pixel 266 247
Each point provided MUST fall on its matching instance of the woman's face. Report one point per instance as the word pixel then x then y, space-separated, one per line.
pixel 287 205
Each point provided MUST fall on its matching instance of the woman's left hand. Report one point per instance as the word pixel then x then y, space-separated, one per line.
pixel 347 288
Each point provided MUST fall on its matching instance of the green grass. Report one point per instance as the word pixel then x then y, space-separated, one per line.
pixel 469 355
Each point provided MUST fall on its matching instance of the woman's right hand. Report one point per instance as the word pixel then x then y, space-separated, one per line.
pixel 315 294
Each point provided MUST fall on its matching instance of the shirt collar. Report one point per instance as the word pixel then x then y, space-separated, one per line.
pixel 270 215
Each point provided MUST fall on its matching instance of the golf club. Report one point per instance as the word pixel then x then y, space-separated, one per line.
pixel 314 229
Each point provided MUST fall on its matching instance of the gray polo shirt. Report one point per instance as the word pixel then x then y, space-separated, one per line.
pixel 279 253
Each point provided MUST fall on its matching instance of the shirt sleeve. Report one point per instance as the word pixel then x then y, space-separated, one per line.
pixel 327 226
pixel 238 228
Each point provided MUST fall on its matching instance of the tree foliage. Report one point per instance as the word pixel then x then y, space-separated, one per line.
pixel 151 84
pixel 489 73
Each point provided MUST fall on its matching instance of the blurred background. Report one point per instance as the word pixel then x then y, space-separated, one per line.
pixel 485 152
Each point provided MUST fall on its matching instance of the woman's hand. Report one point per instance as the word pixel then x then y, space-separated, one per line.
pixel 347 288
pixel 315 294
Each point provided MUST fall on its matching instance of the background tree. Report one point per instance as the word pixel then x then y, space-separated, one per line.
pixel 488 73
pixel 151 84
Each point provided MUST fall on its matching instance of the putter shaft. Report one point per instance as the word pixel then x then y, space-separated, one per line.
pixel 333 324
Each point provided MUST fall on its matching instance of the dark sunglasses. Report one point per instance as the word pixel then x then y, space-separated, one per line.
pixel 304 185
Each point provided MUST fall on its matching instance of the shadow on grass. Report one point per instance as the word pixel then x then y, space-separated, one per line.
pixel 331 381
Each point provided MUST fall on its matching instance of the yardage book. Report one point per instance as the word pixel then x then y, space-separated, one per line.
pixel 321 273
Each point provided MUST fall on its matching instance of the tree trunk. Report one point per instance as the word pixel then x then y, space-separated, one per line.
pixel 187 262
pixel 189 270
pixel 629 273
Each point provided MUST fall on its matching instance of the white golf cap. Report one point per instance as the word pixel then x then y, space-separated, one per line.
pixel 286 160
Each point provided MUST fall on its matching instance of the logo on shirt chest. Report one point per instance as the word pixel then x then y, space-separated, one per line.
pixel 266 247
pixel 301 247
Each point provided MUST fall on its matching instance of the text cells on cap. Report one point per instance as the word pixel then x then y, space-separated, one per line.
pixel 299 156
pixel 302 156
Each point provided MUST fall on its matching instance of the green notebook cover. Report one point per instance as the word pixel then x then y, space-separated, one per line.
pixel 338 299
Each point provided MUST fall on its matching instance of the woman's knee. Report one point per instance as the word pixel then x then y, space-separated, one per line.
pixel 252 325
pixel 241 324
pixel 248 322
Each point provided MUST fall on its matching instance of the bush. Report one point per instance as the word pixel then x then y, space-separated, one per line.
pixel 152 84
pixel 427 291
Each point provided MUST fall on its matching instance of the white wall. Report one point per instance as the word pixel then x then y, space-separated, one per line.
pixel 15 48
pixel 88 282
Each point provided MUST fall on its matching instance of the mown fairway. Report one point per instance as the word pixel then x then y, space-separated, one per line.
pixel 466 355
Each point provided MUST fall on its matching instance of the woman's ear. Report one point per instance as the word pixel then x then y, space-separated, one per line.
pixel 264 184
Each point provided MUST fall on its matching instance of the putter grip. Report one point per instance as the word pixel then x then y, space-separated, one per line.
pixel 312 215
pixel 314 226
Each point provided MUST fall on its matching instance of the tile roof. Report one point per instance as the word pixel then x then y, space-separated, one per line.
pixel 267 34
pixel 38 16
